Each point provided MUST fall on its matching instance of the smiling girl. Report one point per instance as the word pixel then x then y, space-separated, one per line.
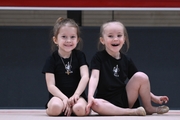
pixel 110 68
pixel 66 72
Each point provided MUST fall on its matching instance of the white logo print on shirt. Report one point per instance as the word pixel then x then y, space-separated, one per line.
pixel 68 69
pixel 116 70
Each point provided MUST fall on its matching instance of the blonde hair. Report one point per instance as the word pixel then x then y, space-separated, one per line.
pixel 125 47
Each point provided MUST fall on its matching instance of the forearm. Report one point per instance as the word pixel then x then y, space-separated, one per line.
pixel 92 88
pixel 82 85
pixel 56 92
pixel 152 96
pixel 50 81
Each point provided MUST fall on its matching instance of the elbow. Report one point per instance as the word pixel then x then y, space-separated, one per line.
pixel 50 87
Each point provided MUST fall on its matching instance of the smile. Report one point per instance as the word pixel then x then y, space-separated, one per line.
pixel 115 45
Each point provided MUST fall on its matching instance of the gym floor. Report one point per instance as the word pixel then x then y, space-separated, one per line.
pixel 39 114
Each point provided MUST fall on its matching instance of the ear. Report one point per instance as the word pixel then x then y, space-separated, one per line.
pixel 101 40
pixel 54 40
pixel 124 39
pixel 78 40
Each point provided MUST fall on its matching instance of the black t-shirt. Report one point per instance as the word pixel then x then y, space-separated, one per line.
pixel 67 84
pixel 113 73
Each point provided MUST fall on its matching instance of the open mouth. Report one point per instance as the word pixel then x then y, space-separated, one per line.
pixel 115 45
pixel 68 45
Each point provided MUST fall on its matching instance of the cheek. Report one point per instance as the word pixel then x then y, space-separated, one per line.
pixel 123 40
pixel 76 41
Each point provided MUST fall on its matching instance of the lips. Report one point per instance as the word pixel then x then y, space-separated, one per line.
pixel 68 45
pixel 115 45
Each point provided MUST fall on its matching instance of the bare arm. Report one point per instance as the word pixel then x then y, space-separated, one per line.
pixel 93 82
pixel 84 80
pixel 50 81
pixel 159 99
pixel 81 86
pixel 94 79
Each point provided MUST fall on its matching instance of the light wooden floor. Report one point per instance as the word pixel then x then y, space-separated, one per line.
pixel 33 114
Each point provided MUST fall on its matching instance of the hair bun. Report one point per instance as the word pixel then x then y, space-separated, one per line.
pixel 60 19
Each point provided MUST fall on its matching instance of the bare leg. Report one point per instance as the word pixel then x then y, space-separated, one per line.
pixel 103 107
pixel 55 107
pixel 79 108
pixel 139 85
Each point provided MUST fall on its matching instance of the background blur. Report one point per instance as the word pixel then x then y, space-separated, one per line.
pixel 25 36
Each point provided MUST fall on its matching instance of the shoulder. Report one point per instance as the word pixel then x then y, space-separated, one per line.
pixel 53 56
pixel 80 57
pixel 78 53
pixel 125 57
pixel 99 56
pixel 50 63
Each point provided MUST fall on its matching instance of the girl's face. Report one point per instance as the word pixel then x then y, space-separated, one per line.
pixel 113 37
pixel 66 39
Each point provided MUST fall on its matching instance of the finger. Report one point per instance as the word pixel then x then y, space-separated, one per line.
pixel 69 112
pixel 89 105
pixel 64 107
pixel 87 110
pixel 73 101
pixel 77 98
pixel 167 98
pixel 69 104
pixel 69 100
pixel 65 112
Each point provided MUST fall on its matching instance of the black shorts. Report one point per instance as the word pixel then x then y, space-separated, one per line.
pixel 120 99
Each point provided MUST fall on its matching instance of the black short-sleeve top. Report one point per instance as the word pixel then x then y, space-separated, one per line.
pixel 113 73
pixel 66 83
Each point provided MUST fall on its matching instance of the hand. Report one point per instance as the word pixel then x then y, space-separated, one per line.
pixel 65 103
pixel 68 111
pixel 160 99
pixel 90 103
pixel 163 99
pixel 72 100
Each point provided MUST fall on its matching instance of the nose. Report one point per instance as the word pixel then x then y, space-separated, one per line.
pixel 68 40
pixel 115 38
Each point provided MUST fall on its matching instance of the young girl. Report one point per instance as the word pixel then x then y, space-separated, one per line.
pixel 66 72
pixel 110 69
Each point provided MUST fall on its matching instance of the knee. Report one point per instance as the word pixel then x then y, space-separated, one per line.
pixel 96 106
pixel 54 109
pixel 141 76
pixel 79 109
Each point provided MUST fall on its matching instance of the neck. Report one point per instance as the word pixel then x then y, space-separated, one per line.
pixel 64 54
pixel 114 55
